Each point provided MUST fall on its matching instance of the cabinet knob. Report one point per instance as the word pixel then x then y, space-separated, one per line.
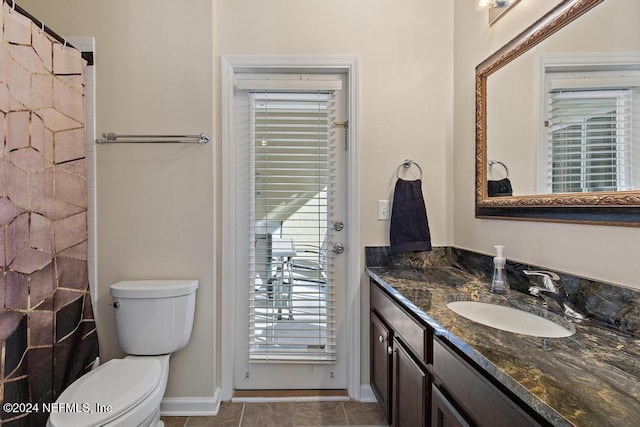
pixel 389 350
pixel 381 338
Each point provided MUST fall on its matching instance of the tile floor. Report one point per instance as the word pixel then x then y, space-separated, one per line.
pixel 287 414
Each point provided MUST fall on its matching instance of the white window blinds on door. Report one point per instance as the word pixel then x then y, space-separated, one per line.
pixel 291 297
pixel 590 140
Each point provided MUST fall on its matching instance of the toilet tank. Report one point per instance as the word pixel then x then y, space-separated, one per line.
pixel 153 316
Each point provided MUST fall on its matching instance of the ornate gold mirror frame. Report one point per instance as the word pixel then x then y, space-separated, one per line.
pixel 606 208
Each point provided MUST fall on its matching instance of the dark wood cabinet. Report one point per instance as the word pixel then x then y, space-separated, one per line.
pixel 420 380
pixel 410 389
pixel 415 334
pixel 482 402
pixel 381 362
pixel 400 351
pixel 443 413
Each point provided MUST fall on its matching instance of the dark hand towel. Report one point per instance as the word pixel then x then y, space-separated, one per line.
pixel 501 187
pixel 409 223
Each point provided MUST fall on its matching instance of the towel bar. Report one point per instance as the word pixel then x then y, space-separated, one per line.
pixel 111 138
pixel 407 164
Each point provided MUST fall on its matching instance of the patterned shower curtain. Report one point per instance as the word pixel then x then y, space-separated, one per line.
pixel 47 329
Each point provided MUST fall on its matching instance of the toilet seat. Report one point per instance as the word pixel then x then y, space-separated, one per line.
pixel 121 383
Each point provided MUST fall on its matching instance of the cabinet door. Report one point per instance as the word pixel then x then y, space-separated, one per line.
pixel 481 401
pixel 410 394
pixel 443 414
pixel 381 364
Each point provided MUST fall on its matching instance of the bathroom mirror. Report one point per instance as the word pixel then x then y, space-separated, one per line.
pixel 513 127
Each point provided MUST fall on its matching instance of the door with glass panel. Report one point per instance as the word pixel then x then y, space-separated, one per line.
pixel 290 299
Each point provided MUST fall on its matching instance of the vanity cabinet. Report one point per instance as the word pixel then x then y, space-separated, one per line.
pixel 421 380
pixel 462 396
pixel 410 389
pixel 381 351
pixel 400 353
pixel 443 413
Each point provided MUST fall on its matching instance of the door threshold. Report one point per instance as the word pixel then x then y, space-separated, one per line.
pixel 311 395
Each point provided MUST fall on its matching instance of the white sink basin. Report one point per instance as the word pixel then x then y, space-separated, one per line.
pixel 509 319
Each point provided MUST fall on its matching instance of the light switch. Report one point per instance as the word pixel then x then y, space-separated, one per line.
pixel 383 210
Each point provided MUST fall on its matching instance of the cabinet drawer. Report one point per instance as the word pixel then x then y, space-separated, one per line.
pixel 415 335
pixel 476 395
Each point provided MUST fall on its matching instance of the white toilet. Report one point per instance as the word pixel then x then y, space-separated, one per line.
pixel 153 318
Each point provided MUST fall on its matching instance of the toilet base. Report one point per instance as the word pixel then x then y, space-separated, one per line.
pixel 153 420
pixel 143 413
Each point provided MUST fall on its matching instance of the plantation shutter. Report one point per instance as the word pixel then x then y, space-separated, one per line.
pixel 590 137
pixel 291 297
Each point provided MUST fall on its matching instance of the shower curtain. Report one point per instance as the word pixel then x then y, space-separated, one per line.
pixel 47 329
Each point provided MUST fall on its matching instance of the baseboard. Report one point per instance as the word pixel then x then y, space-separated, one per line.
pixel 252 396
pixel 190 406
pixel 209 406
pixel 366 393
pixel 286 395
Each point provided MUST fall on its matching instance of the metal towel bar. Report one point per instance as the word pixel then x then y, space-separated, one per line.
pixel 495 162
pixel 112 138
pixel 407 164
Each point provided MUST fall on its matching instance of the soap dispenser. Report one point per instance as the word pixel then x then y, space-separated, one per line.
pixel 499 284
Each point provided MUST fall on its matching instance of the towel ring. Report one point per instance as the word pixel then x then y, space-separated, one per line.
pixel 494 162
pixel 407 164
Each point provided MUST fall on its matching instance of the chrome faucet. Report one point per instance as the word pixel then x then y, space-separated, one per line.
pixel 553 294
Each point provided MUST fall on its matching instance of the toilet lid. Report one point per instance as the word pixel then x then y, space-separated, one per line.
pixel 121 383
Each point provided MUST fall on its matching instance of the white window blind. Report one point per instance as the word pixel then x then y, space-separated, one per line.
pixel 590 140
pixel 291 297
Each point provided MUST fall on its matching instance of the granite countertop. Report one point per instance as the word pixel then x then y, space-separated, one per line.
pixel 591 378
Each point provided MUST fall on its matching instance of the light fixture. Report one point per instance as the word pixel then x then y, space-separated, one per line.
pixel 495 8
pixel 491 4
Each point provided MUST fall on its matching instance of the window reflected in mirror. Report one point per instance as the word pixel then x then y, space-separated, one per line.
pixel 592 120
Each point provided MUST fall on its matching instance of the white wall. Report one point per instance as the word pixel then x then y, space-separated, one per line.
pixel 603 253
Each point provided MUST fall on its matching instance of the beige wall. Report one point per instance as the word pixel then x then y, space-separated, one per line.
pixel 155 203
pixel 603 253
pixel 405 56
pixel 155 74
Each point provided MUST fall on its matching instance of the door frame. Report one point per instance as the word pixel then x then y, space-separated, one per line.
pixel 230 65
